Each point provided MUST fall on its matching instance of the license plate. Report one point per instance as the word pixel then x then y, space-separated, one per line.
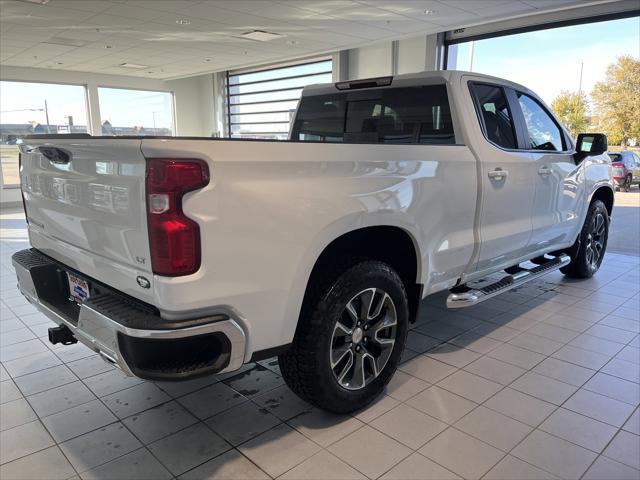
pixel 78 288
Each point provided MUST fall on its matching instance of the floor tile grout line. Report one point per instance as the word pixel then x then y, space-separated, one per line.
pixel 55 444
pixel 198 421
pixel 555 410
pixel 537 427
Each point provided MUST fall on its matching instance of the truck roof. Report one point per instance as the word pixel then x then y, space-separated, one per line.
pixel 406 80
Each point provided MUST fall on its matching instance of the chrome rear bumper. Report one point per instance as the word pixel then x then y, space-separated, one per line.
pixel 108 326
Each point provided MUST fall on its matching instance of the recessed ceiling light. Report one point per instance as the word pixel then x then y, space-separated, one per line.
pixel 260 36
pixel 207 59
pixel 183 21
pixel 292 42
pixel 108 46
pixel 133 65
pixel 429 12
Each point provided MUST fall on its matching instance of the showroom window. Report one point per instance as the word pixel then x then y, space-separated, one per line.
pixel 136 112
pixel 547 59
pixel 36 108
pixel 261 103
pixel 394 115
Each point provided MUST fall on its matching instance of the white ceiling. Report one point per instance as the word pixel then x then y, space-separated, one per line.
pixel 99 35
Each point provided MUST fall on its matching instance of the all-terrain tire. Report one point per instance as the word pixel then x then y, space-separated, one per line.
pixel 582 264
pixel 306 366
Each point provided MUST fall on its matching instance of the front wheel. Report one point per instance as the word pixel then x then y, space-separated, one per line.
pixel 588 252
pixel 350 337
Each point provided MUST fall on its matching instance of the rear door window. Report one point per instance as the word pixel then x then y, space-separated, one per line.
pixel 396 115
pixel 629 162
pixel 495 117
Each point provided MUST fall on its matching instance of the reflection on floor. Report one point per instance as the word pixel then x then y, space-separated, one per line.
pixel 542 382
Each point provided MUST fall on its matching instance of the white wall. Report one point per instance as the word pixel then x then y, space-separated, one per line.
pixel 193 97
pixel 411 54
pixel 195 106
pixel 414 54
pixel 371 61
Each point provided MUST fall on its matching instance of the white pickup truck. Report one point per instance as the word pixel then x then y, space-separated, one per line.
pixel 180 257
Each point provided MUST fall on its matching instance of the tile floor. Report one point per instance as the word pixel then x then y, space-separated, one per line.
pixel 542 382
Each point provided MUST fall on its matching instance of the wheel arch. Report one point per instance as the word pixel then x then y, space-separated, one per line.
pixel 605 194
pixel 387 243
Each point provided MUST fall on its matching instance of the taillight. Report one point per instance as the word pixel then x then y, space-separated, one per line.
pixel 174 239
pixel 617 164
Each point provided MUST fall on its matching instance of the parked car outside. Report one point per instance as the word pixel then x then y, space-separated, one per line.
pixel 626 169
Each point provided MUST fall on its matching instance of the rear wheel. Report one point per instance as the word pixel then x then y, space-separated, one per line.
pixel 627 183
pixel 350 337
pixel 588 251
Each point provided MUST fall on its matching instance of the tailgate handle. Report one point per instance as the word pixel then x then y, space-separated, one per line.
pixel 56 155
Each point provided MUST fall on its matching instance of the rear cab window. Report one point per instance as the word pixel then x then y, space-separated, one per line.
pixel 404 115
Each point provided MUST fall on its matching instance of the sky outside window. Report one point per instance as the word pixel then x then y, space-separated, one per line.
pixel 147 110
pixel 24 103
pixel 549 61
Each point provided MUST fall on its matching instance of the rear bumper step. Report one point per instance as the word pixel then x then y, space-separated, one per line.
pixel 127 334
pixel 467 297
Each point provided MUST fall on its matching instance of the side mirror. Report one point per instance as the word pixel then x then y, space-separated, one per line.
pixel 589 144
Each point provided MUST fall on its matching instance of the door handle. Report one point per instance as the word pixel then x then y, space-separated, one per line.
pixel 544 170
pixel 498 174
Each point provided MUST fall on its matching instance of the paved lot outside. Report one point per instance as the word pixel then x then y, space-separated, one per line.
pixel 625 224
pixel 542 382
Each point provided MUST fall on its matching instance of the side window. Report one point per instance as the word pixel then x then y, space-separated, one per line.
pixel 495 115
pixel 544 133
pixel 393 115
pixel 629 162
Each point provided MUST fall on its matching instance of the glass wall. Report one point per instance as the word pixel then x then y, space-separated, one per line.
pixel 136 112
pixel 553 60
pixel 261 103
pixel 36 108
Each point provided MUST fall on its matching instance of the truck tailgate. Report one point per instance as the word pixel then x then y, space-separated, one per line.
pixel 85 204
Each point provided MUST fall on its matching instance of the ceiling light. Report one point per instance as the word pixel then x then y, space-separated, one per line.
pixel 292 42
pixel 133 65
pixel 108 46
pixel 429 12
pixel 183 21
pixel 260 36
pixel 39 2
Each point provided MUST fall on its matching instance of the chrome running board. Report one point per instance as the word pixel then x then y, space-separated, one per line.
pixel 463 296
